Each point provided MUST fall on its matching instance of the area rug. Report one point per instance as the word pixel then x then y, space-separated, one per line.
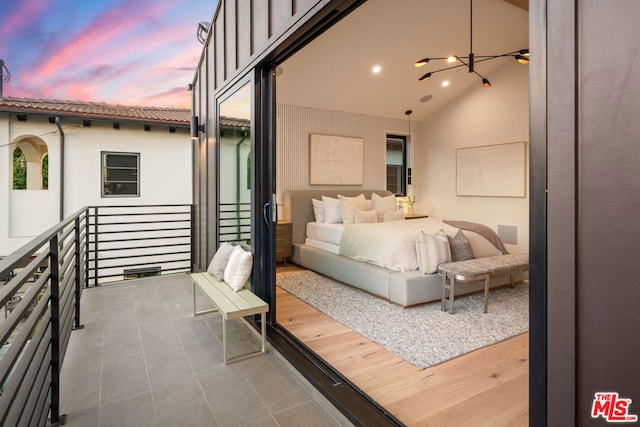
pixel 424 335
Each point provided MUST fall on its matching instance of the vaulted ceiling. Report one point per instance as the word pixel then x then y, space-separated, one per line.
pixel 334 71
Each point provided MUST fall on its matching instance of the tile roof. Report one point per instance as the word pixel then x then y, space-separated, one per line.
pixel 96 110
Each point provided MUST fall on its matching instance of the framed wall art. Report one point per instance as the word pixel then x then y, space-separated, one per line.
pixel 336 160
pixel 492 170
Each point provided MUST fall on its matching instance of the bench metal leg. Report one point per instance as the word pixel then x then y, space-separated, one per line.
pixel 444 292
pixel 450 286
pixel 263 338
pixel 196 313
pixel 486 292
pixel 452 292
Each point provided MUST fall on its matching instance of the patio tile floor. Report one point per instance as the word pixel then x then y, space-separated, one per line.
pixel 142 359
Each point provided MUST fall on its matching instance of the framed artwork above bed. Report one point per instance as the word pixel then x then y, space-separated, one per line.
pixel 492 170
pixel 336 160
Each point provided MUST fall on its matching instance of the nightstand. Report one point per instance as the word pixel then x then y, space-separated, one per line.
pixel 415 216
pixel 284 247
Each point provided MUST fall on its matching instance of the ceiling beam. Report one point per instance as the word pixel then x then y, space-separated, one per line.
pixel 522 4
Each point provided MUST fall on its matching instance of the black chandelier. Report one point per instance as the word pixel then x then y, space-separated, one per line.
pixel 521 56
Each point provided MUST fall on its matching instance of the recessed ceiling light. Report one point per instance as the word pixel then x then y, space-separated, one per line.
pixel 445 83
pixel 376 69
pixel 426 98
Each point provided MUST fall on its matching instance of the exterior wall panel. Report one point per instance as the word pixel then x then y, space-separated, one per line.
pixel 562 281
pixel 259 24
pixel 280 13
pixel 608 203
pixel 243 31
pixel 230 37
pixel 593 200
pixel 218 52
pixel 301 6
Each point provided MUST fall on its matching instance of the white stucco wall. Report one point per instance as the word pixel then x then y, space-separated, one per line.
pixel 165 171
pixel 479 117
pixel 165 164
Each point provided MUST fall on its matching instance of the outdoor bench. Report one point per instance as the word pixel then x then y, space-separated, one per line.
pixel 231 305
pixel 476 269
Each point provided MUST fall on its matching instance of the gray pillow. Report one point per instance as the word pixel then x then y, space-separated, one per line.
pixel 460 247
pixel 220 260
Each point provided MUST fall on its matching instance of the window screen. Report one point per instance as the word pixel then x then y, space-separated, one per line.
pixel 120 175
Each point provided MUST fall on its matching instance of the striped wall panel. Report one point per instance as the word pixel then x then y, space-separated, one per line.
pixel 294 124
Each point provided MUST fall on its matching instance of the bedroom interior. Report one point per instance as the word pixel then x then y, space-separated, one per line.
pixel 356 103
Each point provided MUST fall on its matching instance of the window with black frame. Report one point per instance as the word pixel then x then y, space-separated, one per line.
pixel 120 174
pixel 396 164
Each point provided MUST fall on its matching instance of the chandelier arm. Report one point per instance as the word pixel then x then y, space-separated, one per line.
pixel 487 57
pixel 479 75
pixel 448 68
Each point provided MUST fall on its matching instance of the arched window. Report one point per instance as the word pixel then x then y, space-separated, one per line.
pixel 19 170
pixel 45 172
pixel 30 164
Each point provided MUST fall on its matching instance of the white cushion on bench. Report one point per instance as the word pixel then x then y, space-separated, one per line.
pixel 238 268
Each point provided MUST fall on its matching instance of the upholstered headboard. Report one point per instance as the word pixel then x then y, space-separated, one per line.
pixel 298 209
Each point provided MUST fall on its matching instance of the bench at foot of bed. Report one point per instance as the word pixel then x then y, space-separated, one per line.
pixel 477 269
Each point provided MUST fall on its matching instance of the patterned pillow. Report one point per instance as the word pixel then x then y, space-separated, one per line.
pixel 460 247
pixel 432 251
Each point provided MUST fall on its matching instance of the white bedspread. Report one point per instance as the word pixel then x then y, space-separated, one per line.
pixel 389 245
pixel 327 233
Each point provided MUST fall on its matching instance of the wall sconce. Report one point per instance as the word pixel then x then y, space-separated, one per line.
pixel 196 127
pixel 23 163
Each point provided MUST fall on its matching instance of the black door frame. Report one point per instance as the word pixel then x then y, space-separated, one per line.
pixel 344 395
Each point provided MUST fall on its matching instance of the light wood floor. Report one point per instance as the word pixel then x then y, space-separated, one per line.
pixel 486 387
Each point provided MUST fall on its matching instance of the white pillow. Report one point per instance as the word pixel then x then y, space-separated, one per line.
pixel 394 215
pixel 366 217
pixel 432 251
pixel 350 205
pixel 383 204
pixel 220 260
pixel 318 210
pixel 238 268
pixel 331 210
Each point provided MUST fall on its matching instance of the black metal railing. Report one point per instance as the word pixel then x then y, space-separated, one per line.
pixel 41 288
pixel 42 285
pixel 234 222
pixel 129 242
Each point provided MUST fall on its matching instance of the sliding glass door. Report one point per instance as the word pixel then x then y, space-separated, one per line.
pixel 234 167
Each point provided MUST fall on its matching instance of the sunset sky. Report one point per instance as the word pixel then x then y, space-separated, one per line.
pixel 130 52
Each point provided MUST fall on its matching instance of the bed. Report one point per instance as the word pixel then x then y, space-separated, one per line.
pixel 383 266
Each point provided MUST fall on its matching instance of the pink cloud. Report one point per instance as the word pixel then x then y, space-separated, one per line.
pixel 22 17
pixel 133 55
pixel 96 37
